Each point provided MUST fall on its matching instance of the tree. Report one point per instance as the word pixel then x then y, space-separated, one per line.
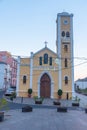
pixel 60 92
pixel 29 92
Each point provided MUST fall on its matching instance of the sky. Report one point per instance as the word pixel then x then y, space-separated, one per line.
pixel 26 24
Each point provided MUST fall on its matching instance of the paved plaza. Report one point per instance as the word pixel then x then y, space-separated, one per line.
pixel 44 119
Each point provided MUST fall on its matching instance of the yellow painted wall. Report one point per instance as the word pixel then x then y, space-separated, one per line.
pixel 65 27
pixel 39 69
pixel 66 71
pixel 37 73
pixel 24 70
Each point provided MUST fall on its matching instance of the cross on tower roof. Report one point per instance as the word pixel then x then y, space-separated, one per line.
pixel 46 43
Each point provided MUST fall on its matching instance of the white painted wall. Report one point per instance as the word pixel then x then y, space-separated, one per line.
pixel 2 74
pixel 81 84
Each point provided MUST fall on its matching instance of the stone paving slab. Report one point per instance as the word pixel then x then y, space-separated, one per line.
pixel 44 119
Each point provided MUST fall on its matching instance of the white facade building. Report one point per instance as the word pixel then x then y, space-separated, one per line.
pixel 5 75
pixel 81 83
pixel 2 74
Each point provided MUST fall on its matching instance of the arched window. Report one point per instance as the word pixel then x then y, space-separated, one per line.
pixel 50 61
pixel 67 34
pixel 66 62
pixel 40 60
pixel 66 80
pixel 45 58
pixel 63 34
pixel 65 48
pixel 24 79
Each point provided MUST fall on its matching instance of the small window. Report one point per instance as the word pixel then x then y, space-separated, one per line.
pixel 65 48
pixel 63 34
pixel 67 34
pixel 24 79
pixel 50 61
pixel 66 80
pixel 66 62
pixel 45 58
pixel 40 60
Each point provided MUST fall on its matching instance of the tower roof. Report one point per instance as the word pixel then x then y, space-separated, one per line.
pixel 64 14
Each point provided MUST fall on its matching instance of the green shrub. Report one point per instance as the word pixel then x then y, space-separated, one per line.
pixel 30 91
pixel 77 99
pixel 14 95
pixel 37 98
pixel 3 103
pixel 60 92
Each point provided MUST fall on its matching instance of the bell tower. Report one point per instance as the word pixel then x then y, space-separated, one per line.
pixel 64 47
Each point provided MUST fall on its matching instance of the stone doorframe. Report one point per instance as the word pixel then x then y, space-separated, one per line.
pixel 52 83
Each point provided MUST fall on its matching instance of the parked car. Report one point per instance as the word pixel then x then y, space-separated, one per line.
pixel 9 92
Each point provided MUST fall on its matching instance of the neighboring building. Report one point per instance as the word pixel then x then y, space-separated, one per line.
pixel 81 83
pixel 3 66
pixel 5 75
pixel 14 73
pixel 7 58
pixel 46 71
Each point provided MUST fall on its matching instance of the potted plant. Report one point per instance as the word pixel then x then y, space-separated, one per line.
pixel 56 103
pixel 60 92
pixel 38 100
pixel 29 92
pixel 3 104
pixel 27 108
pixel 62 109
pixel 59 97
pixel 13 95
pixel 76 101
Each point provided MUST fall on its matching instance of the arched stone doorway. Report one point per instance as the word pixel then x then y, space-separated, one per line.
pixel 45 86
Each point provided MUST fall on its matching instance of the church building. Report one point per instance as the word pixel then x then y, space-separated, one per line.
pixel 46 71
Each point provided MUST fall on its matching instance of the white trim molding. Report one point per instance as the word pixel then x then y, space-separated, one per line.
pixel 18 75
pixel 31 70
pixel 72 55
pixel 59 50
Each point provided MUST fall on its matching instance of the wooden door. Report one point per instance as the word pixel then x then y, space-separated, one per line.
pixel 45 86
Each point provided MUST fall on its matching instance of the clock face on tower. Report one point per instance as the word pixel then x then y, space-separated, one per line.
pixel 65 22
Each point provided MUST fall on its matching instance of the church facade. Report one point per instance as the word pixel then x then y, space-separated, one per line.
pixel 47 71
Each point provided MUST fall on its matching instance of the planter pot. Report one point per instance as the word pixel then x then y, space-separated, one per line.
pixel 75 104
pixel 62 109
pixel 85 110
pixel 1 116
pixel 85 94
pixel 27 109
pixel 38 102
pixel 56 103
pixel 29 95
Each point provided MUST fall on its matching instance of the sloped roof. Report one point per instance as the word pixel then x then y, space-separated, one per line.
pixel 80 80
pixel 45 48
pixel 64 14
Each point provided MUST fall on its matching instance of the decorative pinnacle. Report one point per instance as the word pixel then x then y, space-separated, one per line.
pixel 45 43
